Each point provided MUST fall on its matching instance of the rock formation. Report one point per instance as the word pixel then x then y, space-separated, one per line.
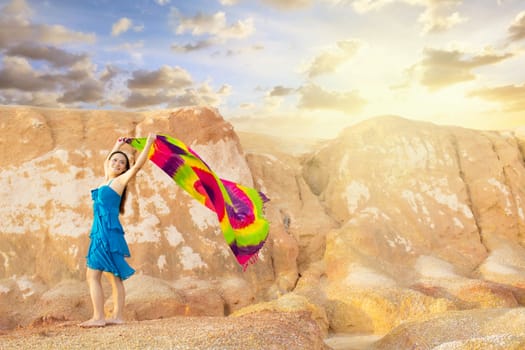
pixel 50 161
pixel 392 223
pixel 431 219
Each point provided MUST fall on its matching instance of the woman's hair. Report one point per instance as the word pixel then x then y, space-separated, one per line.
pixel 123 196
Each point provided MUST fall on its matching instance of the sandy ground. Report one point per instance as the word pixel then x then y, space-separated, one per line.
pixel 271 331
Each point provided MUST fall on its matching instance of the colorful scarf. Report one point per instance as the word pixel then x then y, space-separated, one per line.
pixel 238 208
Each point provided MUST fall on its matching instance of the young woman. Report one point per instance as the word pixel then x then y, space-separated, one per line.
pixel 108 248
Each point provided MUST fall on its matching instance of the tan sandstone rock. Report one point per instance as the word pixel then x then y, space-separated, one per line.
pixel 466 330
pixel 404 190
pixel 290 302
pixel 389 225
pixel 55 157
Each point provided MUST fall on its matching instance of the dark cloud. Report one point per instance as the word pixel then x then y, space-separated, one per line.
pixel 89 92
pixel 280 91
pixel 64 77
pixel 16 73
pixel 16 27
pixel 162 78
pixel 57 57
pixel 199 45
pixel 139 99
pixel 18 78
pixel 172 86
pixel 109 73
pixel 203 95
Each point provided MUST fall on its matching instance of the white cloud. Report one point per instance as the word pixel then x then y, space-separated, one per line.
pixel 517 28
pixel 288 4
pixel 329 60
pixel 214 25
pixel 121 26
pixel 438 15
pixel 362 6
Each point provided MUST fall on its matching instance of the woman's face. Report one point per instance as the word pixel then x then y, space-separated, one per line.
pixel 118 164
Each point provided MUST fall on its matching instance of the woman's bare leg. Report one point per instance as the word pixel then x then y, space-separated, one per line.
pixel 119 298
pixel 97 299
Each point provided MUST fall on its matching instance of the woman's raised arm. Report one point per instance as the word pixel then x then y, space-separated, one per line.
pixel 142 158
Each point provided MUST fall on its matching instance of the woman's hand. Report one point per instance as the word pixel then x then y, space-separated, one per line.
pixel 141 159
pixel 122 140
pixel 152 136
pixel 151 139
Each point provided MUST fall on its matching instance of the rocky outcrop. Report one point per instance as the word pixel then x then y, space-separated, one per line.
pixel 461 330
pixel 431 220
pixel 391 224
pixel 53 158
pixel 291 303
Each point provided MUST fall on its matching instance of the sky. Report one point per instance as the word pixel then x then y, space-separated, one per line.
pixel 305 68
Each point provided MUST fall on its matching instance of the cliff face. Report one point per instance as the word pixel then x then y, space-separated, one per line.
pixel 416 188
pixel 430 219
pixel 391 221
pixel 52 159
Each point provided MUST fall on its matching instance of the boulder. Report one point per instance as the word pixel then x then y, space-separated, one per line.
pixel 68 300
pixel 468 329
pixel 290 302
pixel 149 298
pixel 377 310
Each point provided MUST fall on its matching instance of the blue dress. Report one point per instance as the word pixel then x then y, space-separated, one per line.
pixel 108 248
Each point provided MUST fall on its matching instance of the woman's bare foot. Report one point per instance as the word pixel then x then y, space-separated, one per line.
pixel 93 323
pixel 112 321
